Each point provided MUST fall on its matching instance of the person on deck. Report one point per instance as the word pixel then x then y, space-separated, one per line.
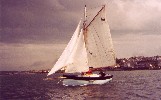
pixel 102 74
pixel 89 72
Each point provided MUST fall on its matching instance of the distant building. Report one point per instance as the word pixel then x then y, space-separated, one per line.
pixel 140 62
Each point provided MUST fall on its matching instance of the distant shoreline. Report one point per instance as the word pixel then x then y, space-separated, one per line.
pixel 29 72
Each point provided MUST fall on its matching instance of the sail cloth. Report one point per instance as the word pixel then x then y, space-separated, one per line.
pixel 98 41
pixel 78 58
pixel 62 61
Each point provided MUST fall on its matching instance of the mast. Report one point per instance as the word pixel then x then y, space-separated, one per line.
pixel 84 25
pixel 85 17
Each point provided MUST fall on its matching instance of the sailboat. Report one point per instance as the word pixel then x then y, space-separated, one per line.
pixel 90 47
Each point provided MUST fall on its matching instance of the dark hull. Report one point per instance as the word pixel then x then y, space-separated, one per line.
pixel 76 77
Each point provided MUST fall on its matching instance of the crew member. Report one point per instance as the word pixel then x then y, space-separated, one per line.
pixel 89 72
pixel 102 74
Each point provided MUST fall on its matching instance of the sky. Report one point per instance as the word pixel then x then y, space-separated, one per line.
pixel 33 33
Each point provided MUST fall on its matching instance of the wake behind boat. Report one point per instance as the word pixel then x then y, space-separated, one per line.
pixel 90 45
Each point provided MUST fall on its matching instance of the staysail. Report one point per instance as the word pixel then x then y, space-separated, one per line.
pixel 63 60
pixel 78 58
pixel 98 41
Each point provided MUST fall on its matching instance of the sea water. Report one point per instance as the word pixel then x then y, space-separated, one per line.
pixel 126 85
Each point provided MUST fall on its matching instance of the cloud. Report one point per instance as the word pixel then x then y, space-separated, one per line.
pixel 27 56
pixel 25 20
pixel 36 21
pixel 135 15
pixel 137 45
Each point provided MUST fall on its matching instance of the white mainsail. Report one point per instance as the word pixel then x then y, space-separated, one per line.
pixel 90 47
pixel 98 42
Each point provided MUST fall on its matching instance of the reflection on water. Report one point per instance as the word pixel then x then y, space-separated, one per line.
pixel 126 85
